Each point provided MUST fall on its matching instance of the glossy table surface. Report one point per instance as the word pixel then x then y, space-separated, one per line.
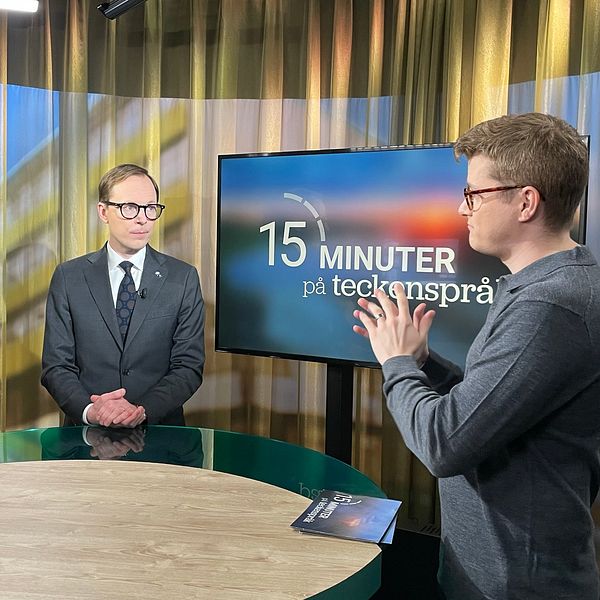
pixel 356 573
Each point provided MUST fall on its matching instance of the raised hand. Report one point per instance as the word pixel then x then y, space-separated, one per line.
pixel 390 327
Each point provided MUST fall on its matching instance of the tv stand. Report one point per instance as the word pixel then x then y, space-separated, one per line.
pixel 339 403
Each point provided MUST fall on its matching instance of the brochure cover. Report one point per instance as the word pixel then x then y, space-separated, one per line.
pixel 350 516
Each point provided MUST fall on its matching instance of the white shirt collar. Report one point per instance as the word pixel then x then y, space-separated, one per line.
pixel 114 260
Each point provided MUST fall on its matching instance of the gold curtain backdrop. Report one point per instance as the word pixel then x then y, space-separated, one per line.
pixel 172 84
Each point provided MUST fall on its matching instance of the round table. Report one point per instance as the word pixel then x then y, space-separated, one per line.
pixel 137 527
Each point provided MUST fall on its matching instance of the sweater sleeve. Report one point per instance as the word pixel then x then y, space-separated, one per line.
pixel 520 375
pixel 442 373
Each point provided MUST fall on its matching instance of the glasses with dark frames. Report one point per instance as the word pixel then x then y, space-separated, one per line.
pixel 473 204
pixel 130 210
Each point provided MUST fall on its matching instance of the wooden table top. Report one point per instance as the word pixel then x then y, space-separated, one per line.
pixel 79 530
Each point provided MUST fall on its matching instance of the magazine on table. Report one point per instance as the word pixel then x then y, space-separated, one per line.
pixel 350 516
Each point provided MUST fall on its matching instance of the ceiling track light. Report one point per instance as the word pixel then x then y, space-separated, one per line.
pixel 111 10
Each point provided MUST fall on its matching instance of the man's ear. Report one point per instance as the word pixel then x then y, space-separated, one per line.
pixel 530 201
pixel 102 210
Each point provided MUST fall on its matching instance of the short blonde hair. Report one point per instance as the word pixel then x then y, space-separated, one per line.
pixel 118 174
pixel 538 150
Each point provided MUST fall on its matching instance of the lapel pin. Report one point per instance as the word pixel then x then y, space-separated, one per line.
pixel 157 273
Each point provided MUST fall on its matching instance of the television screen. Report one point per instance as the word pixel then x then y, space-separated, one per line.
pixel 302 235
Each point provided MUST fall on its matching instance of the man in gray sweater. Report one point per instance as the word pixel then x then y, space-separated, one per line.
pixel 515 440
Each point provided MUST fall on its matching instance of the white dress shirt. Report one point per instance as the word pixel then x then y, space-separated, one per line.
pixel 116 273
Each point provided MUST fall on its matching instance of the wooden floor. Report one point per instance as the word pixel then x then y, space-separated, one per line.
pixel 79 530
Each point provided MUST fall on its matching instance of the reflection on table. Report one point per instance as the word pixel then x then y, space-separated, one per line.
pixel 300 470
pixel 169 445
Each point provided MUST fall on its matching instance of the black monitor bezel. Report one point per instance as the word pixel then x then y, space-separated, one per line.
pixel 221 348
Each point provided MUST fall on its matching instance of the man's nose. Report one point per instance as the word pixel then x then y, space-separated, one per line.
pixel 463 209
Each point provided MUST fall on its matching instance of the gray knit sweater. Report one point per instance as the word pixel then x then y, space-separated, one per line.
pixel 516 443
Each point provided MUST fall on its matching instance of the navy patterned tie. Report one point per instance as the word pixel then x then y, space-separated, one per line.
pixel 125 298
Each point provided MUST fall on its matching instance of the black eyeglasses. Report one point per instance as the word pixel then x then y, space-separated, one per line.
pixel 130 210
pixel 474 204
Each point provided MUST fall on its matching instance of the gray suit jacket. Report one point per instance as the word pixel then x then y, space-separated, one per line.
pixel 161 363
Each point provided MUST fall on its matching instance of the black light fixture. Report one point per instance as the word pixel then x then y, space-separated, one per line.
pixel 111 10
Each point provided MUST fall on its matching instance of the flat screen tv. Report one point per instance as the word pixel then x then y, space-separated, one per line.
pixel 301 235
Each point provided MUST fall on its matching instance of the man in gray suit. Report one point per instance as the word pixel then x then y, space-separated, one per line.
pixel 124 337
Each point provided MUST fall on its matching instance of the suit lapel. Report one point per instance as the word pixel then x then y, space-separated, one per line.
pixel 96 276
pixel 153 278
